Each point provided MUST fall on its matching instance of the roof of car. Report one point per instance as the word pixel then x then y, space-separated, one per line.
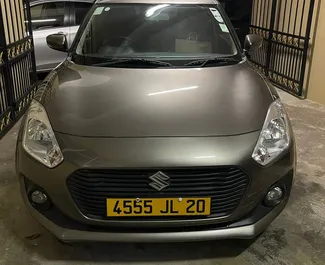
pixel 159 1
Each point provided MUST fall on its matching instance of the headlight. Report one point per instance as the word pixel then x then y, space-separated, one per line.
pixel 39 139
pixel 275 135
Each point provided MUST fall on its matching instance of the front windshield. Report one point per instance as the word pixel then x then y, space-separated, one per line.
pixel 168 32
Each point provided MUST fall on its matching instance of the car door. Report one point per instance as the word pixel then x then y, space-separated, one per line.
pixel 79 11
pixel 48 18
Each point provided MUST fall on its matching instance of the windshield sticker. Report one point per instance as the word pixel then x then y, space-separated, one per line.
pixel 98 11
pixel 107 9
pixel 224 28
pixel 216 15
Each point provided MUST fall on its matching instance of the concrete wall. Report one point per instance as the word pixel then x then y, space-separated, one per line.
pixel 316 78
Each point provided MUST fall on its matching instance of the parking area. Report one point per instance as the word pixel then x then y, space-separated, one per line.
pixel 297 236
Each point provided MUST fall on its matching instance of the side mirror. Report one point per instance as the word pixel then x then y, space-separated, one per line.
pixel 57 42
pixel 253 42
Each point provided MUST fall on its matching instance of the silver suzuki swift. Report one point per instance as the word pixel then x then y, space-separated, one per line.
pixel 155 128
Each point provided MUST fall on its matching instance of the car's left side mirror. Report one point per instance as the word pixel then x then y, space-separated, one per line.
pixel 252 42
pixel 57 42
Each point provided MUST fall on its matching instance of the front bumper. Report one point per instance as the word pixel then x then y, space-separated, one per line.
pixel 247 221
pixel 67 230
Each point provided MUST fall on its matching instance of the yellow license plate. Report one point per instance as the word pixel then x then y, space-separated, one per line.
pixel 158 207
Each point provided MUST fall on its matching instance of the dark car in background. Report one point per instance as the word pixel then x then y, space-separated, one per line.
pixel 155 128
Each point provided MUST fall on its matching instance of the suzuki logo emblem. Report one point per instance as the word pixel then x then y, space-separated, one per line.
pixel 159 181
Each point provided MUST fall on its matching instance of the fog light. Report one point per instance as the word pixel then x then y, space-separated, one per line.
pixel 38 197
pixel 274 196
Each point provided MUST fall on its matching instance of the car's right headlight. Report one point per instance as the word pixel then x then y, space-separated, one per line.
pixel 275 135
pixel 38 139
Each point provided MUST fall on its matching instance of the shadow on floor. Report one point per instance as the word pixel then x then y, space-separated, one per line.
pixel 140 253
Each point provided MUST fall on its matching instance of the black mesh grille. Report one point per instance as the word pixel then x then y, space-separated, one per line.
pixel 89 188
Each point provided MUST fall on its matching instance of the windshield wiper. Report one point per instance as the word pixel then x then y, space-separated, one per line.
pixel 213 60
pixel 134 61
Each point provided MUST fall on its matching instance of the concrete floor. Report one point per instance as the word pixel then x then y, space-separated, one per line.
pixel 297 236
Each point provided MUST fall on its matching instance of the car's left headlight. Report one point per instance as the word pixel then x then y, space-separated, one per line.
pixel 275 135
pixel 38 139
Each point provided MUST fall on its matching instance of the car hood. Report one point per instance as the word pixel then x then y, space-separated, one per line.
pixel 121 102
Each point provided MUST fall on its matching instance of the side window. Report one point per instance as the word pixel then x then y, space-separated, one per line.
pixel 47 15
pixel 81 11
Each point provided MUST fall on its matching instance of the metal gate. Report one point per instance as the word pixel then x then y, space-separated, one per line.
pixel 17 64
pixel 286 27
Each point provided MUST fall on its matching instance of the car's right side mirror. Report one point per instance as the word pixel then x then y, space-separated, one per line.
pixel 252 42
pixel 57 42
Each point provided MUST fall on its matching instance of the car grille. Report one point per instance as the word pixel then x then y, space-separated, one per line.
pixel 225 186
